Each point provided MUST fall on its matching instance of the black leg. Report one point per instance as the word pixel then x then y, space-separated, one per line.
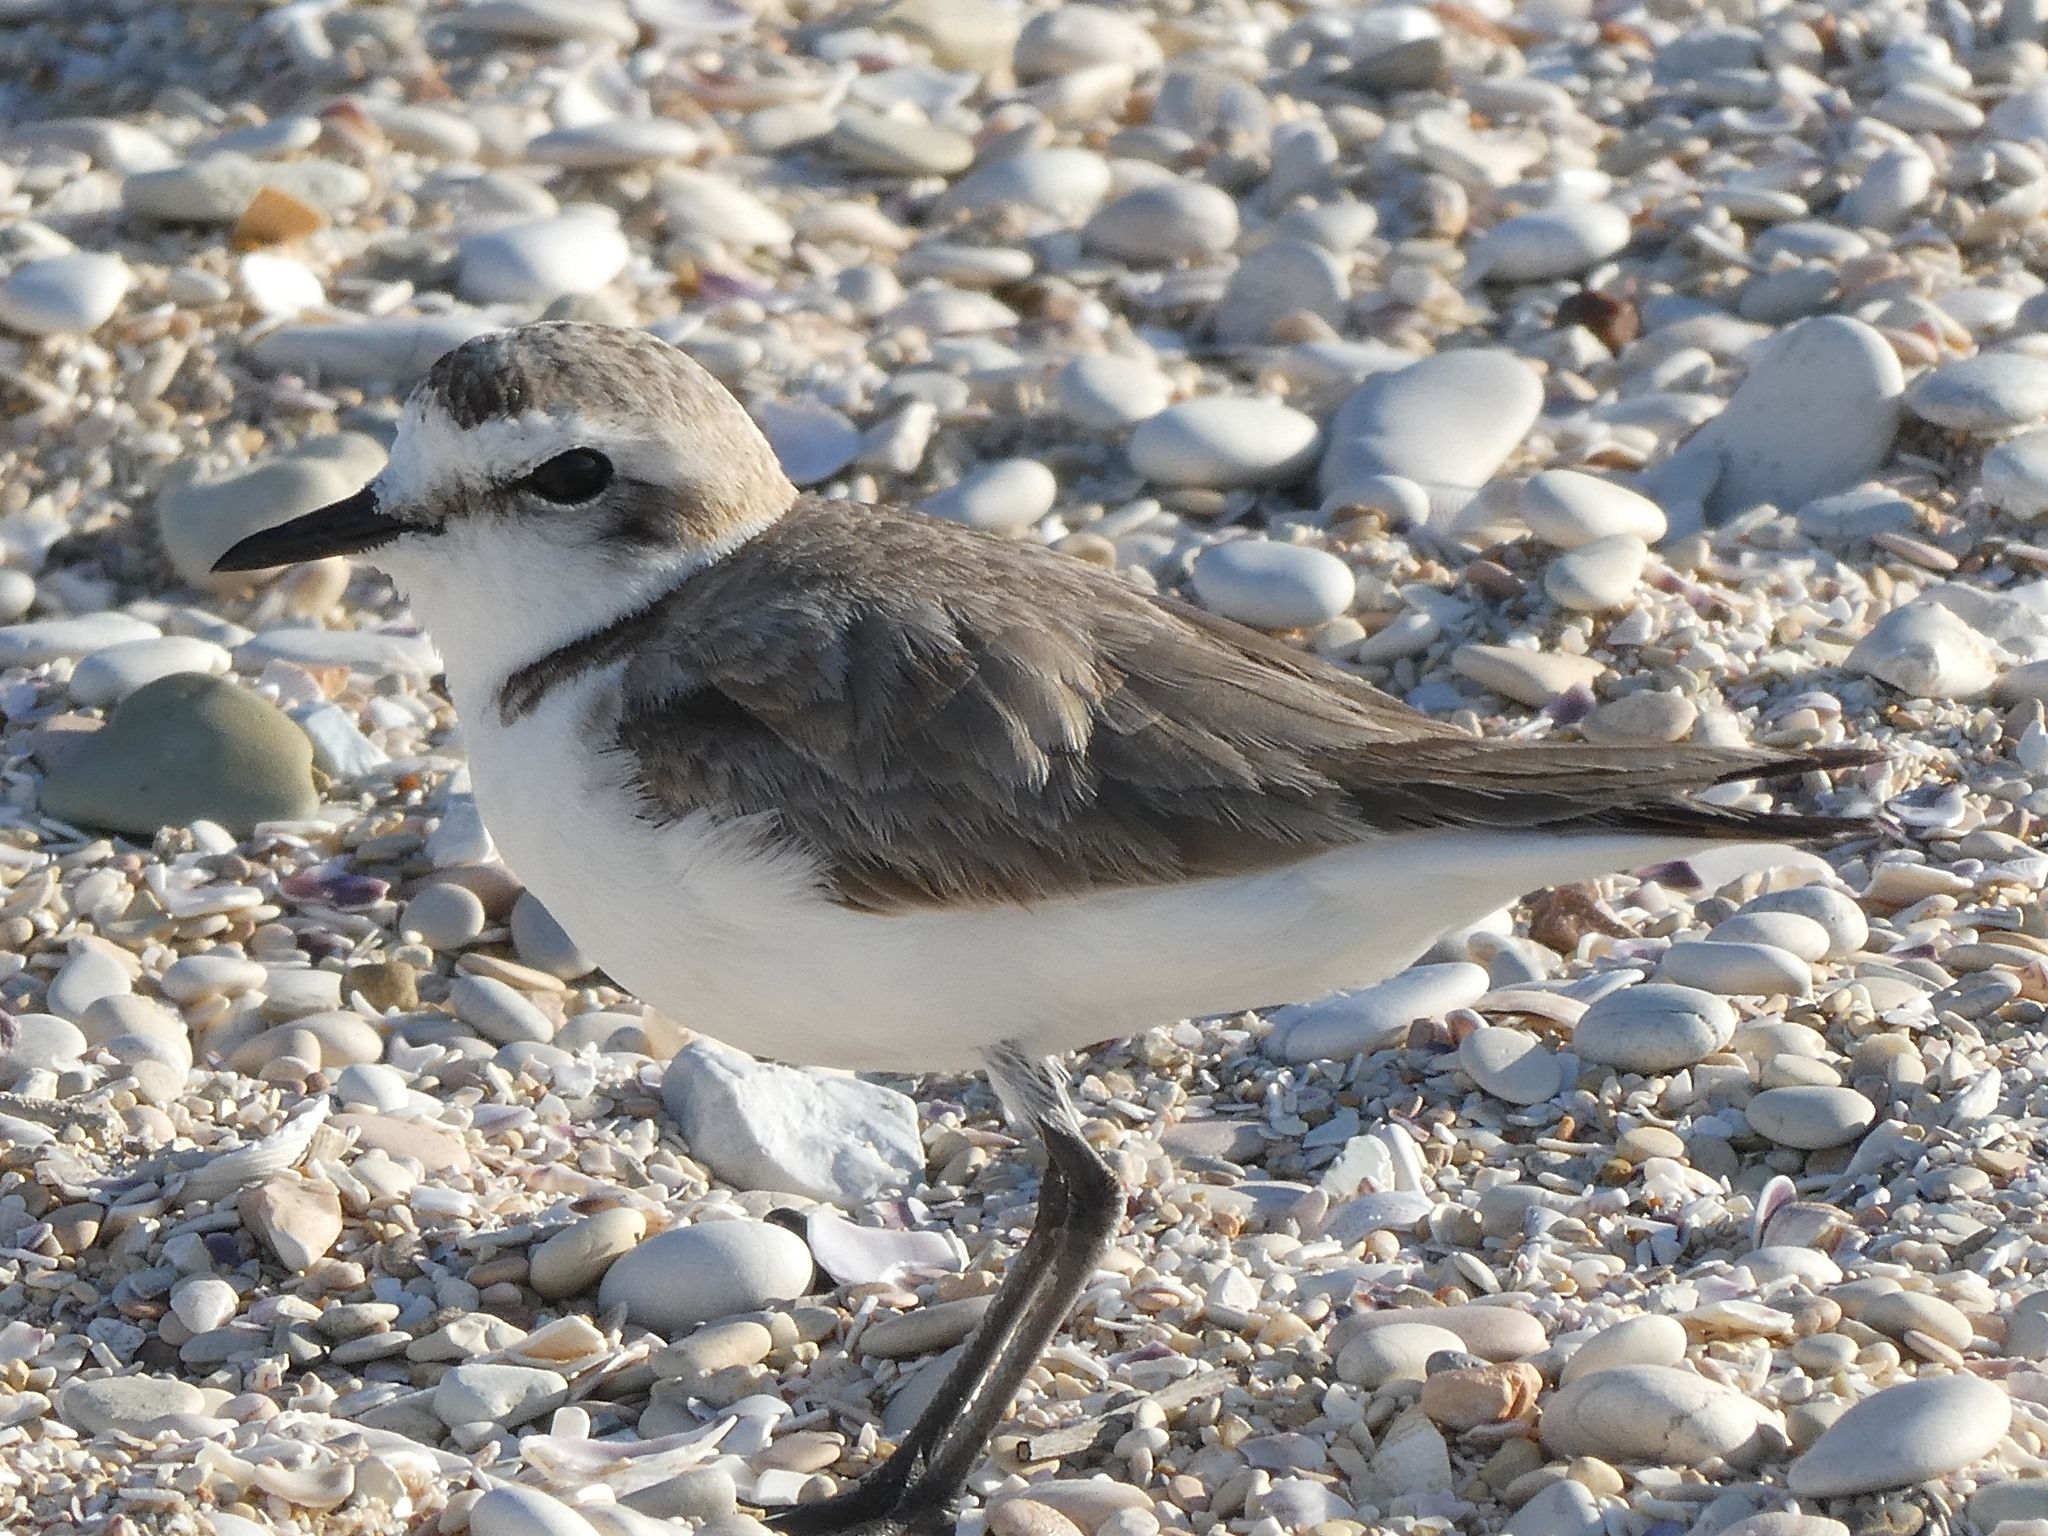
pixel 876 1494
pixel 1080 1204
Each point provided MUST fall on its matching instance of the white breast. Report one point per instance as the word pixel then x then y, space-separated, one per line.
pixel 712 925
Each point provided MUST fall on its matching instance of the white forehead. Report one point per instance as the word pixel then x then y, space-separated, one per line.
pixel 434 456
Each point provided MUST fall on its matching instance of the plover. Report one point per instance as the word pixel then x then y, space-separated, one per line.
pixel 848 786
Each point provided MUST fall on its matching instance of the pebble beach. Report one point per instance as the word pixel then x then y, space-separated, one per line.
pixel 1616 370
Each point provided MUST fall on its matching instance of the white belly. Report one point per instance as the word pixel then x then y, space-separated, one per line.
pixel 707 924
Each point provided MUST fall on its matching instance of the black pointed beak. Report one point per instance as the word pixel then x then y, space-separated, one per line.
pixel 345 528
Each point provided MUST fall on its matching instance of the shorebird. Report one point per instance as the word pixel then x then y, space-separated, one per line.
pixel 848 786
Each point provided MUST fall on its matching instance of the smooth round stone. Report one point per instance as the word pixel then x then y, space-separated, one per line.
pixel 17 593
pixel 1597 577
pixel 1651 714
pixel 1270 585
pixel 1005 497
pixel 1916 106
pixel 1221 442
pixel 478 1392
pixel 896 146
pixel 699 203
pixel 1890 189
pixel 1165 221
pixel 576 1258
pixel 1736 970
pixel 1398 1352
pixel 1926 651
pixel 1567 509
pixel 1991 392
pixel 1563 1508
pixel 1655 1414
pixel 186 748
pixel 1906 1434
pixel 1528 677
pixel 689 1275
pixel 63 295
pixel 498 1012
pixel 41 640
pixel 109 676
pixel 1075 37
pixel 1810 1117
pixel 1447 423
pixel 1836 911
pixel 1284 278
pixel 445 915
pixel 1490 1332
pixel 278 286
pixel 1510 1065
pixel 1560 241
pixel 217 188
pixel 1064 184
pixel 616 145
pixel 1651 1339
pixel 537 261
pixel 127 1403
pixel 1110 394
pixel 88 975
pixel 813 442
pixel 1788 931
pixel 1816 413
pixel 1653 1027
pixel 372 1086
pixel 200 522
pixel 511 1509
pixel 2015 1498
pixel 543 943
pixel 1901 1312
pixel 1346 1024
pixel 2014 475
pixel 45 1042
pixel 368 352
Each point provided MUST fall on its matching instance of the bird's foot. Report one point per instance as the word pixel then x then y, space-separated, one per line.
pixel 878 1505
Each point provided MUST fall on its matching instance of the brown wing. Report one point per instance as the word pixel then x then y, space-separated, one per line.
pixel 939 716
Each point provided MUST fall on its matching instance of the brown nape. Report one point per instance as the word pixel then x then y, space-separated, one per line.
pixel 570 368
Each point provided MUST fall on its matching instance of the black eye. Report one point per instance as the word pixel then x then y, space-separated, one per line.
pixel 571 477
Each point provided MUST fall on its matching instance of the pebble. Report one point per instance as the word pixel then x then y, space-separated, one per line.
pixel 1565 1508
pixel 1567 509
pixel 476 1392
pixel 1559 241
pixel 1927 652
pixel 1909 1433
pixel 1658 1414
pixel 41 640
pixel 1810 1117
pixel 129 1404
pixel 1490 1332
pixel 108 676
pixel 1648 1339
pixel 1277 283
pixel 498 1012
pixel 543 943
pixel 2014 475
pixel 1528 677
pixel 1816 413
pixel 1223 442
pixel 1448 423
pixel 446 916
pixel 813 442
pixel 1900 1312
pixel 576 1258
pixel 186 748
pixel 537 261
pixel 1347 1024
pixel 1837 913
pixel 200 522
pixel 1061 184
pixel 1654 1027
pixel 1736 969
pixel 677 1279
pixel 1597 577
pixel 894 146
pixel 70 294
pixel 1398 1352
pixel 614 145
pixel 510 1509
pixel 1164 221
pixel 1004 497
pixel 1110 394
pixel 1271 585
pixel 799 1130
pixel 1993 392
pixel 1510 1065
pixel 217 188
pixel 1072 37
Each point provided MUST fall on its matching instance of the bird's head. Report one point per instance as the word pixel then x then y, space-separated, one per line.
pixel 543 482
